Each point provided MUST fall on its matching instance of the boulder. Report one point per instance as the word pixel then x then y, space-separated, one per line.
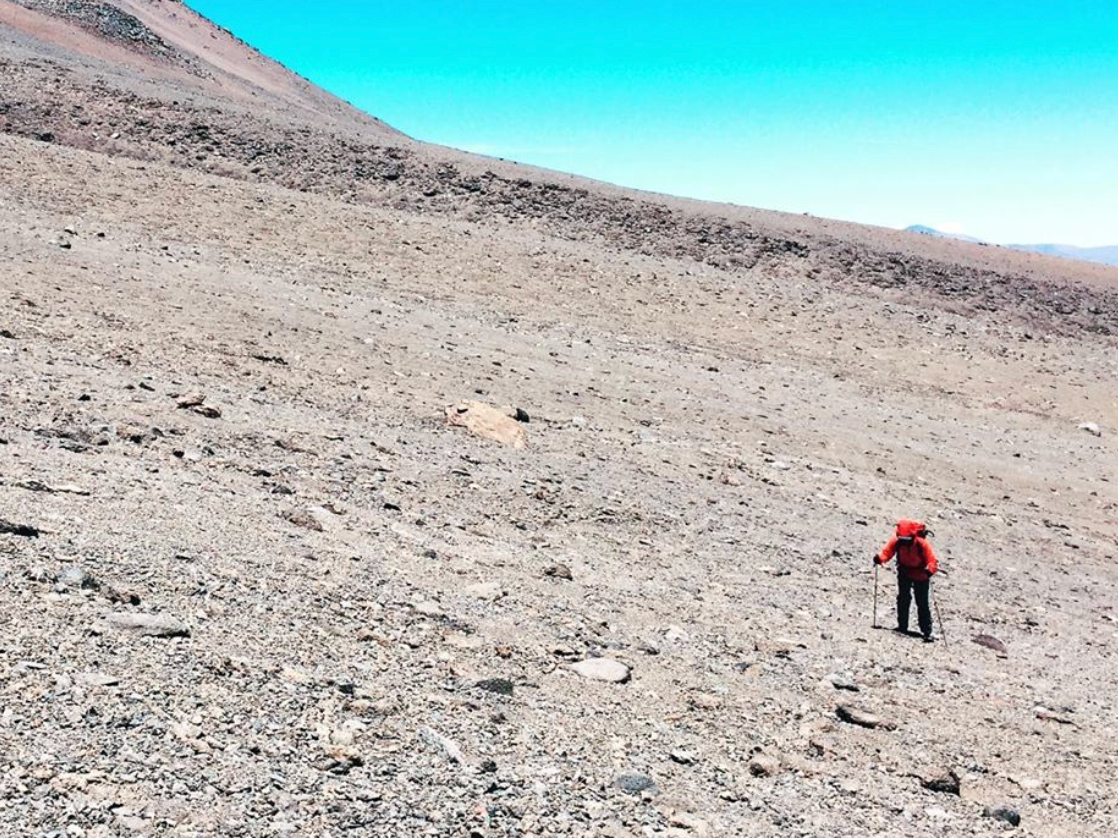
pixel 862 718
pixel 635 783
pixel 487 422
pixel 1003 813
pixel 147 625
pixel 602 669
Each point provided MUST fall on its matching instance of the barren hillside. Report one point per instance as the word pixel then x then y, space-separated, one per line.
pixel 253 582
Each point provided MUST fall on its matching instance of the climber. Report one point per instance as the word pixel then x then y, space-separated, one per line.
pixel 916 565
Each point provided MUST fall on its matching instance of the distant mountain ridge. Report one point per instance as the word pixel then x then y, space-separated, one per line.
pixel 1103 255
pixel 1107 255
pixel 939 234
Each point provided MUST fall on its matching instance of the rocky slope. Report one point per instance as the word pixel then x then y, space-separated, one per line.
pixel 361 161
pixel 254 583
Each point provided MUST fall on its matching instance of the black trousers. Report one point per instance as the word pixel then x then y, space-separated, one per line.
pixel 905 589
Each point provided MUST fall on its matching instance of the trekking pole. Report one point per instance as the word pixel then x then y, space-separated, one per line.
pixel 939 617
pixel 875 567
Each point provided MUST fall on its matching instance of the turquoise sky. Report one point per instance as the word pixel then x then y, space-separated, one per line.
pixel 995 118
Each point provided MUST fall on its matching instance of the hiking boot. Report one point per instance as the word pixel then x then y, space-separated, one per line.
pixel 929 639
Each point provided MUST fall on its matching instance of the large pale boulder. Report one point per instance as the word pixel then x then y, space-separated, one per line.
pixel 602 669
pixel 487 422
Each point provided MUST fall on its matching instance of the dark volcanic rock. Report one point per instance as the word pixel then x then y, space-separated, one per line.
pixel 635 783
pixel 501 686
pixel 1003 813
pixel 944 782
pixel 22 530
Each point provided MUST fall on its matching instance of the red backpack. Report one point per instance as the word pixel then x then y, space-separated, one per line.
pixel 908 531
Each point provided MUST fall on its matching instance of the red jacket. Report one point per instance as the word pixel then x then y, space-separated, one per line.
pixel 915 556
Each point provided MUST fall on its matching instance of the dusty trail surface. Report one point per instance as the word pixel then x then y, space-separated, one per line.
pixel 222 406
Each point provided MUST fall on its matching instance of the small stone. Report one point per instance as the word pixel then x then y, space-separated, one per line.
pixel 429 608
pixel 602 669
pixel 191 400
pixel 98 679
pixel 862 718
pixel 706 701
pixel 340 760
pixel 345 686
pixel 303 518
pixel 764 765
pixel 635 783
pixel 990 642
pixel 500 686
pixel 147 625
pixel 439 743
pixel 842 682
pixel 70 489
pixel 120 596
pixel 35 486
pixel 40 574
pixel 294 675
pixel 649 647
pixel 1003 813
pixel 559 571
pixel 691 823
pixel 208 411
pixel 1091 428
pixel 77 578
pixel 682 757
pixel 465 642
pixel 1047 715
pixel 675 634
pixel 491 591
pixel 943 781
